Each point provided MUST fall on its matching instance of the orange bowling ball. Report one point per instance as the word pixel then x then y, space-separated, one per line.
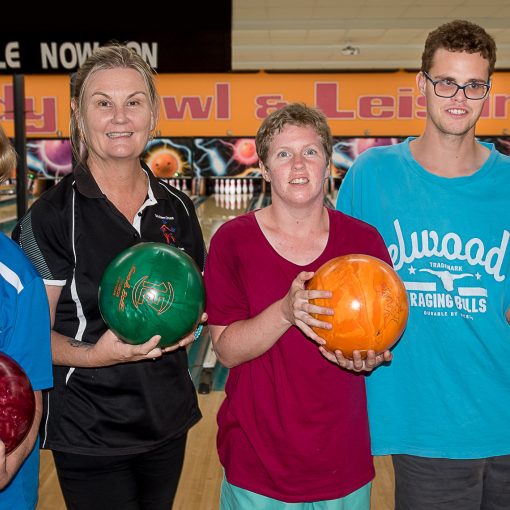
pixel 369 301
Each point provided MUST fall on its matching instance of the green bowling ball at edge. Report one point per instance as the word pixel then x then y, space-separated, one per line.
pixel 152 289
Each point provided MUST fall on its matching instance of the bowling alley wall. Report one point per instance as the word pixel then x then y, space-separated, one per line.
pixel 208 121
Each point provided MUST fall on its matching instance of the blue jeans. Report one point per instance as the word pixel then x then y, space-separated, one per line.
pixel 451 484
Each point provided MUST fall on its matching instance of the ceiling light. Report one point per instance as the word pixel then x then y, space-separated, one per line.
pixel 350 50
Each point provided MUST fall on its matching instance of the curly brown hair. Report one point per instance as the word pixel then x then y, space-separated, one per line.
pixel 459 35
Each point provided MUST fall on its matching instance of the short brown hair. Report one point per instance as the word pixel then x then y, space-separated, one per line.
pixel 8 158
pixel 459 35
pixel 296 114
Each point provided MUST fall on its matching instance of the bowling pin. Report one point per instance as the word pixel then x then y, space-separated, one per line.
pixel 216 186
pixel 250 187
pixel 238 187
pixel 245 187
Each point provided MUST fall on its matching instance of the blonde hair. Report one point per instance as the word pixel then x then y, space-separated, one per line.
pixel 111 56
pixel 8 158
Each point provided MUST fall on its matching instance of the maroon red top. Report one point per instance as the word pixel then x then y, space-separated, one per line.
pixel 293 426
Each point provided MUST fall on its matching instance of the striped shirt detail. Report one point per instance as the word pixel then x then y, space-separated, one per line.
pixel 29 244
pixel 11 277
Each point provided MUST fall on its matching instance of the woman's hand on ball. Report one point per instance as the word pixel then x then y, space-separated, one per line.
pixel 357 363
pixel 110 350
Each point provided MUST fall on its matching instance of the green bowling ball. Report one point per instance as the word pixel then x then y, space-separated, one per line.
pixel 152 289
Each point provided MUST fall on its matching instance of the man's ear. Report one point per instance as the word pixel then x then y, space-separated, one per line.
pixel 264 171
pixel 421 81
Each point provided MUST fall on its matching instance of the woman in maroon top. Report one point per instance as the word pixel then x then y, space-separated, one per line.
pixel 293 427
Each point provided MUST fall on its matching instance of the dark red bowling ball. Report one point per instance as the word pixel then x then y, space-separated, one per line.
pixel 17 403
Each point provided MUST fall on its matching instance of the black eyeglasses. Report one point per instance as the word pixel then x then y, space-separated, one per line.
pixel 448 88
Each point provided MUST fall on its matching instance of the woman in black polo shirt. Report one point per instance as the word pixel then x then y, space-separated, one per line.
pixel 118 415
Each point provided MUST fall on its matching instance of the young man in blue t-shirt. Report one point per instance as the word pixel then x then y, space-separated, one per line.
pixel 442 204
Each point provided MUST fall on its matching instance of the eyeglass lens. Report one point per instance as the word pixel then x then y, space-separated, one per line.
pixel 447 88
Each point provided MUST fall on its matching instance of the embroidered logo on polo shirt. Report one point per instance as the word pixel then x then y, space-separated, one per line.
pixel 168 234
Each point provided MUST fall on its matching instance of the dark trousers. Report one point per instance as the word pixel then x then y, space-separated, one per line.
pixel 451 484
pixel 145 481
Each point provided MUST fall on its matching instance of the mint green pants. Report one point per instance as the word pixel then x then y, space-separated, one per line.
pixel 234 498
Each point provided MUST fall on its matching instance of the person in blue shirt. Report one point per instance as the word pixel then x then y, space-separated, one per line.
pixel 25 337
pixel 442 204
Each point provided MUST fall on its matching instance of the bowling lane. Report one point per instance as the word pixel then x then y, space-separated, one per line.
pixel 212 212
pixel 8 207
pixel 217 208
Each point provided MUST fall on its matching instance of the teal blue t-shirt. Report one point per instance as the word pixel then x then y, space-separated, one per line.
pixel 447 391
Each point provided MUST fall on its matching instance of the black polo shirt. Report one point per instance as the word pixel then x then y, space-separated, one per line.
pixel 71 234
